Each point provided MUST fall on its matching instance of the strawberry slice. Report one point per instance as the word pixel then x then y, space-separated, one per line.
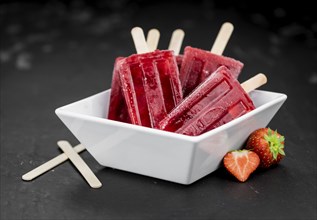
pixel 241 163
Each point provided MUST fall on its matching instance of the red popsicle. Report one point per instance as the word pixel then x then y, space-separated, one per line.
pixel 118 110
pixel 150 83
pixel 198 64
pixel 216 101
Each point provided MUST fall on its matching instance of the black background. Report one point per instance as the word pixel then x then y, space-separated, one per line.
pixel 56 52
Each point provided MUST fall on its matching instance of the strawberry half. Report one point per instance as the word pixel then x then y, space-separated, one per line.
pixel 268 144
pixel 241 163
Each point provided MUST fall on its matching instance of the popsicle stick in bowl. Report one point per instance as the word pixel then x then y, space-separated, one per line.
pixel 80 164
pixel 50 164
pixel 254 82
pixel 176 41
pixel 222 38
pixel 139 40
pixel 152 39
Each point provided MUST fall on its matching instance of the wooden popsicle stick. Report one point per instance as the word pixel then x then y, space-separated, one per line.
pixel 254 82
pixel 50 164
pixel 80 164
pixel 222 38
pixel 152 39
pixel 176 41
pixel 139 40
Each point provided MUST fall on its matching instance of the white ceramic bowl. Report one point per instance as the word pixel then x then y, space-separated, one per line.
pixel 160 154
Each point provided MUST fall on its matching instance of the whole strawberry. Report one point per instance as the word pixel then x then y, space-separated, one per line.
pixel 268 145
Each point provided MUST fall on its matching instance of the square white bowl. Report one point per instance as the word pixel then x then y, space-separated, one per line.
pixel 161 154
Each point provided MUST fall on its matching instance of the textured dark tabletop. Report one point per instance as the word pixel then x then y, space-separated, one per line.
pixel 55 53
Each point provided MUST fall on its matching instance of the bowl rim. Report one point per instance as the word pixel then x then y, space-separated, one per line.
pixel 194 139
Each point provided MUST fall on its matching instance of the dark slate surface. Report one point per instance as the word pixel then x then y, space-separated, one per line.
pixel 55 53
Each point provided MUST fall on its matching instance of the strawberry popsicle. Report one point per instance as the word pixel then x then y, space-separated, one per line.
pixel 117 107
pixel 216 101
pixel 151 86
pixel 150 82
pixel 198 64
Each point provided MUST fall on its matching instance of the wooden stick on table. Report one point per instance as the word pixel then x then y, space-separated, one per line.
pixel 50 164
pixel 79 164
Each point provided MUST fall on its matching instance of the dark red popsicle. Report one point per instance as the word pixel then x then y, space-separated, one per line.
pixel 150 85
pixel 198 64
pixel 218 100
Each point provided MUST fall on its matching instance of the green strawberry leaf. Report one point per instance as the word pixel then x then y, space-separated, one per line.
pixel 275 143
pixel 281 151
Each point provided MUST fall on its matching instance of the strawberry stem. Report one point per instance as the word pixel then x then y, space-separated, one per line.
pixel 276 143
